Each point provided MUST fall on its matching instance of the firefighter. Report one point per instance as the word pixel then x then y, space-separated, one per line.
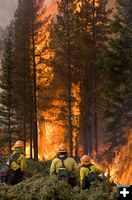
pixel 88 172
pixel 17 162
pixel 64 167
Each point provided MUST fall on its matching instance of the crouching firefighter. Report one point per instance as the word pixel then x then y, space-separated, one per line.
pixel 88 172
pixel 17 163
pixel 64 167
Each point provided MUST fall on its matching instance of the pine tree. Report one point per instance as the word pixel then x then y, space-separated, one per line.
pixel 94 28
pixel 116 69
pixel 22 77
pixel 6 92
pixel 62 36
pixel 2 33
pixel 37 58
pixel 28 36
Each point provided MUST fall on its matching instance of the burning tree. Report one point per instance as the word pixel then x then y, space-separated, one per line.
pixel 62 43
pixel 27 30
pixel 61 79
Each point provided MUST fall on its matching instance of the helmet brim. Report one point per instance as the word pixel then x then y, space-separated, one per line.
pixel 17 146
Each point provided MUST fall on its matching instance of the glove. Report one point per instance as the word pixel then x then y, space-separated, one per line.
pixel 102 176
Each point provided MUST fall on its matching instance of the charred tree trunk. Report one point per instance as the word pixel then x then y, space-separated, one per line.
pixel 84 111
pixel 94 83
pixel 31 136
pixel 9 111
pixel 77 139
pixel 24 135
pixel 35 131
pixel 70 113
pixel 69 86
pixel 9 129
pixel 24 120
pixel 76 147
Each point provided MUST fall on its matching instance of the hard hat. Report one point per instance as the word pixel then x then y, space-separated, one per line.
pixel 85 159
pixel 62 148
pixel 18 143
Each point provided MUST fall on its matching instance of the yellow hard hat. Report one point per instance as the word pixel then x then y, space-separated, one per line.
pixel 18 143
pixel 62 148
pixel 85 159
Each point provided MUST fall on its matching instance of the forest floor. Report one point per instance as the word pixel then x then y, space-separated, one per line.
pixel 37 185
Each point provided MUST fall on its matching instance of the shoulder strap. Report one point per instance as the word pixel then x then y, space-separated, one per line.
pixel 88 166
pixel 14 157
pixel 63 165
pixel 62 160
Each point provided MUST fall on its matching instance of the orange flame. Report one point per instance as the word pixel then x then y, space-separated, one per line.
pixel 121 167
pixel 52 132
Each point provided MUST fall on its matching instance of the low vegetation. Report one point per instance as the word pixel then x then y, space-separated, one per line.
pixel 38 186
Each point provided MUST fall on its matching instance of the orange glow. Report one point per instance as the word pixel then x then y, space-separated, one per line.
pixel 121 167
pixel 76 118
pixel 27 150
pixel 52 129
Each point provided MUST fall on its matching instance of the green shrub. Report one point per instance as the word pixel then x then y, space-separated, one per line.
pixel 113 194
pixel 3 160
pixel 56 190
pixel 39 186
pixel 37 167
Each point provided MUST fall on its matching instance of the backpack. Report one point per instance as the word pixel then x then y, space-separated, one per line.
pixel 6 173
pixel 63 173
pixel 13 158
pixel 89 178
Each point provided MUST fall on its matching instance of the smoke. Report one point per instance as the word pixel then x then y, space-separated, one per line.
pixel 7 9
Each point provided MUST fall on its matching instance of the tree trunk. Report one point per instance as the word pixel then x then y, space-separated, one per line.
pixel 94 83
pixel 69 87
pixel 9 132
pixel 9 111
pixel 24 109
pixel 35 131
pixel 83 112
pixel 31 136
pixel 70 119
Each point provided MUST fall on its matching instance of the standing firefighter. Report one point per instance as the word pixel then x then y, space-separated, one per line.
pixel 88 172
pixel 64 167
pixel 17 162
